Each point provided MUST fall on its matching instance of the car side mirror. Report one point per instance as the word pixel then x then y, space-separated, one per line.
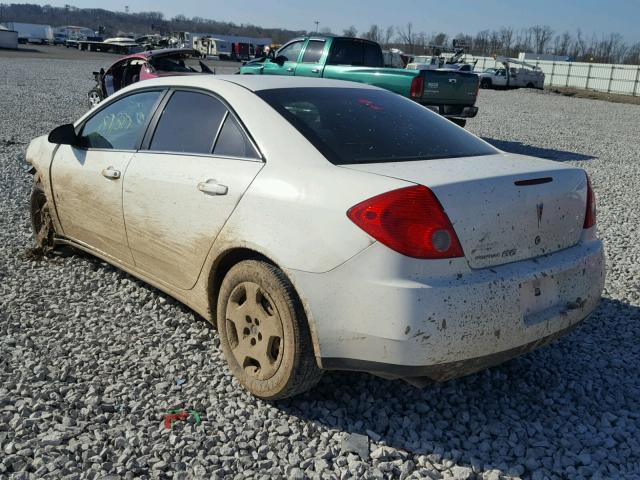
pixel 64 135
pixel 280 59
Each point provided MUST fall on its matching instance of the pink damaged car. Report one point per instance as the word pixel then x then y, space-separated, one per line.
pixel 143 66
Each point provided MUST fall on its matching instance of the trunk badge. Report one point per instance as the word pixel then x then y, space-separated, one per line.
pixel 539 209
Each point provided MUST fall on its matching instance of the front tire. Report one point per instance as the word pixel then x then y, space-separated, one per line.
pixel 41 221
pixel 461 122
pixel 486 83
pixel 264 332
pixel 95 96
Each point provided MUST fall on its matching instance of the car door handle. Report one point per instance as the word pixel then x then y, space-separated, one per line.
pixel 111 173
pixel 289 69
pixel 453 80
pixel 212 187
pixel 315 70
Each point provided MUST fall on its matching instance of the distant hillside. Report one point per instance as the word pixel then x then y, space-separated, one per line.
pixel 114 23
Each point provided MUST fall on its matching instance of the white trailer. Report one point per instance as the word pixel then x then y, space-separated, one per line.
pixel 31 32
pixel 507 76
pixel 212 47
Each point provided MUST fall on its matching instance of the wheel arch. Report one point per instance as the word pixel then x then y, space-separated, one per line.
pixel 226 260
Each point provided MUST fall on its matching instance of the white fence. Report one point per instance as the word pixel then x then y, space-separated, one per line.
pixel 602 77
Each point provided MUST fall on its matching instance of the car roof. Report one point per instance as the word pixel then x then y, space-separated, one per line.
pixel 253 83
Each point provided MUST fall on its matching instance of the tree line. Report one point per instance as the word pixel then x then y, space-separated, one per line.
pixel 110 24
pixel 505 41
pixel 509 42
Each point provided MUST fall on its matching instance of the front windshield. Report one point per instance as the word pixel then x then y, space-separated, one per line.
pixel 356 125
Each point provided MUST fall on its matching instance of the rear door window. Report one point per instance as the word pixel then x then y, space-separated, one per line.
pixel 232 142
pixel 189 124
pixel 313 52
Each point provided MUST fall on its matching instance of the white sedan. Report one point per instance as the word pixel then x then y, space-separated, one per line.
pixel 324 225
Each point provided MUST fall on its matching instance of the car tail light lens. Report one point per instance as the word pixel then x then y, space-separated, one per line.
pixel 417 87
pixel 590 215
pixel 410 221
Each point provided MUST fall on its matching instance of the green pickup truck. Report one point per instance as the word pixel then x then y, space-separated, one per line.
pixel 451 93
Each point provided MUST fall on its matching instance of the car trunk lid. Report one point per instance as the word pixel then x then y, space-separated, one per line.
pixel 504 208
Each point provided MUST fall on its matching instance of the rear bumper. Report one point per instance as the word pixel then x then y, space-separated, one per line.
pixel 443 371
pixel 453 111
pixel 388 314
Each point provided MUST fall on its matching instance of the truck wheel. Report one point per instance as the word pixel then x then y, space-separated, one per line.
pixel 530 85
pixel 264 332
pixel 461 122
pixel 486 83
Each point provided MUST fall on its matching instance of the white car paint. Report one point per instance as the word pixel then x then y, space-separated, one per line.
pixel 369 307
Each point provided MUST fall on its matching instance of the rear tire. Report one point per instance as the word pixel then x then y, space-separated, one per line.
pixel 530 85
pixel 264 333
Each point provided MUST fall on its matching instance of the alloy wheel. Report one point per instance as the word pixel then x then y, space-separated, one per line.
pixel 255 331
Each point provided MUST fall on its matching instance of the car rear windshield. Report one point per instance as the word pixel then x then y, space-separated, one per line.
pixel 351 125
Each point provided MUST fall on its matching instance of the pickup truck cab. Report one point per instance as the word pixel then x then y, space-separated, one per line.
pixel 450 93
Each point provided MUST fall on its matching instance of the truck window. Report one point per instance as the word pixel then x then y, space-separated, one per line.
pixel 345 51
pixel 357 125
pixel 291 51
pixel 314 50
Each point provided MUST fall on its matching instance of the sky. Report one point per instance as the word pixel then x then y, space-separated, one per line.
pixel 467 16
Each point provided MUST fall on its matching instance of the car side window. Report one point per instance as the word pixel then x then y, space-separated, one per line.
pixel 291 51
pixel 121 124
pixel 189 124
pixel 313 52
pixel 232 142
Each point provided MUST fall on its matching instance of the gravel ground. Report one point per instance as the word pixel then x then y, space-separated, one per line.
pixel 91 358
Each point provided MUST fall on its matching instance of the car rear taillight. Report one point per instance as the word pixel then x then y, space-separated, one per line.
pixel 417 87
pixel 590 215
pixel 410 221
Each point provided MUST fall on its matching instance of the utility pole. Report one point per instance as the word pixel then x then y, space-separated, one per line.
pixel 317 23
pixel 126 9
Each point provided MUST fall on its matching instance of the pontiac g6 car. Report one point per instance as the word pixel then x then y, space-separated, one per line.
pixel 324 225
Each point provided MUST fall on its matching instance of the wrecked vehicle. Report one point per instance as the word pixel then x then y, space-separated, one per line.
pixel 324 225
pixel 143 66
